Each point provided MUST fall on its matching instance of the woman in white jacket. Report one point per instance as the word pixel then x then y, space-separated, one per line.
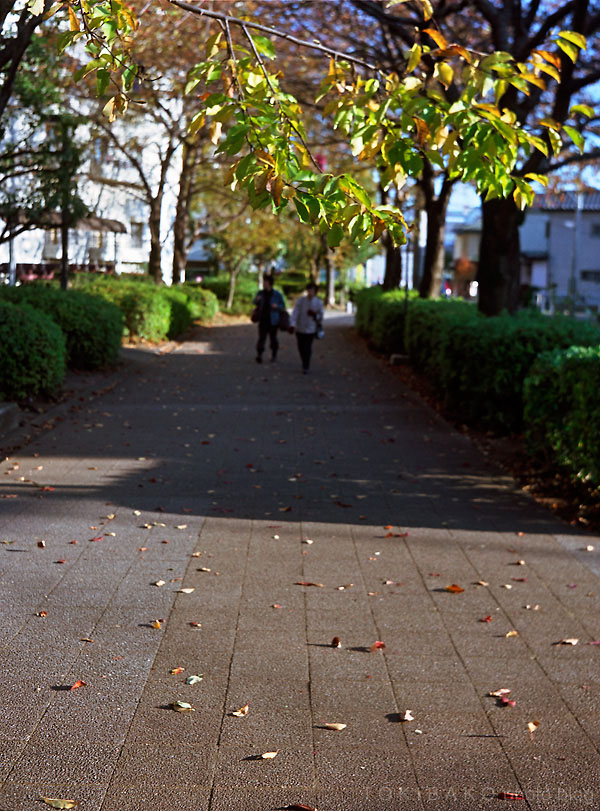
pixel 306 322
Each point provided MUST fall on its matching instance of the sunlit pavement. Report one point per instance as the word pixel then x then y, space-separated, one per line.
pixel 164 529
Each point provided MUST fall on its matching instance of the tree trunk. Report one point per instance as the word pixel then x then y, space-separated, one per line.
pixel 154 260
pixel 499 271
pixel 233 274
pixel 182 212
pixel 393 265
pixel 435 208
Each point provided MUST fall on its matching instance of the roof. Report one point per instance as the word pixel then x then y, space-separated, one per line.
pixel 567 201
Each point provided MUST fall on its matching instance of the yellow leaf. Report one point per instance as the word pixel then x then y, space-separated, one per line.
pixel 156 624
pixel 532 726
pixel 444 73
pixel 549 57
pixel 109 110
pixel 59 803
pixel 437 37
pixel 36 7
pixel 335 727
pixel 511 634
pixel 215 131
pixel 422 130
pixel 73 20
pixel 269 755
pixel 242 711
pixel 414 57
pixel 276 189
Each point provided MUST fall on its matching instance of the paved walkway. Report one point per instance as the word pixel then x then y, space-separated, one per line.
pixel 232 484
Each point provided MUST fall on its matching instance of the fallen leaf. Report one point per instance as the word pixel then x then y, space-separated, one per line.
pixel 59 803
pixel 86 639
pixel 194 679
pixel 489 618
pixel 42 614
pixel 589 548
pixel 308 541
pixel 335 642
pixel 159 583
pixel 203 569
pixel 241 712
pixel 454 589
pixel 176 670
pixel 41 544
pixel 535 607
pixel 335 727
pixel 182 706
pixel 504 701
pixel 78 684
pixel 181 526
pixel 482 583
pixel 408 716
pixel 269 755
pixel 503 691
pixel 506 586
pixel 196 624
pixel 156 624
pixel 344 587
pixel 185 591
pixel 276 605
pixel 510 795
pixel 377 645
pixel 300 807
pixel 510 634
pixel 568 641
pixel 532 726
pixel 308 583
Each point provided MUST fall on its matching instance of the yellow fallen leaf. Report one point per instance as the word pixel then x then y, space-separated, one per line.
pixel 269 755
pixel 185 591
pixel 568 641
pixel 532 726
pixel 335 727
pixel 156 624
pixel 503 691
pixel 182 706
pixel 181 526
pixel 511 633
pixel 159 583
pixel 203 569
pixel 242 711
pixel 176 670
pixel 59 803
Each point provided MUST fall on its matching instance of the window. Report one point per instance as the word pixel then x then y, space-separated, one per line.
pixel 137 234
pixel 590 276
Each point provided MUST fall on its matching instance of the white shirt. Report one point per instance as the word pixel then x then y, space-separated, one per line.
pixel 301 320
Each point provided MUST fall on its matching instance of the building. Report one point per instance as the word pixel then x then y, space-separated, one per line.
pixel 560 249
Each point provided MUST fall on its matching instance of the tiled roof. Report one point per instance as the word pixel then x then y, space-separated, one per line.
pixel 566 201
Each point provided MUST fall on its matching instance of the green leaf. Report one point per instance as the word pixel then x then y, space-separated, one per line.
pixel 335 235
pixel 539 178
pixel 584 109
pixel 102 81
pixel 555 141
pixel 575 38
pixel 265 46
pixel 576 137
pixel 302 210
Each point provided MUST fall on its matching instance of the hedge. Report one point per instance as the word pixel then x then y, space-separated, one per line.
pixel 380 317
pixel 478 364
pixel 246 289
pixel 151 312
pixel 562 410
pixel 33 356
pixel 92 327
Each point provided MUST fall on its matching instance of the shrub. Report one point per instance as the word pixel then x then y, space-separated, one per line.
pixel 562 410
pixel 92 327
pixel 246 289
pixel 203 304
pixel 180 316
pixel 33 353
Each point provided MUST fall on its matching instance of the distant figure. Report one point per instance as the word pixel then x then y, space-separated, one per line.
pixel 268 303
pixel 307 322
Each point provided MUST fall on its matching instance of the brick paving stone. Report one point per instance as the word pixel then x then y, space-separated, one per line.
pixel 202 470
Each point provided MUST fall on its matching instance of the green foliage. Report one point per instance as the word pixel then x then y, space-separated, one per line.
pixel 293 282
pixel 180 316
pixel 381 317
pixel 203 304
pixel 32 354
pixel 477 364
pixel 562 410
pixel 92 327
pixel 246 288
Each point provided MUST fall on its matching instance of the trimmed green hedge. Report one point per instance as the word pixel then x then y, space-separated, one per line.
pixel 92 327
pixel 33 354
pixel 246 289
pixel 380 317
pixel 151 312
pixel 562 410
pixel 477 364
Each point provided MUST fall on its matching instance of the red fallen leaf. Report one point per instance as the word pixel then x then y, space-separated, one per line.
pixel 396 534
pixel 510 795
pixel 196 624
pixel 77 684
pixel 143 549
pixel 594 642
pixel 62 560
pixel 94 540
pixel 165 541
pixel 335 642
pixel 505 701
pixel 300 807
pixel 46 489
pixel 45 614
pixel 377 645
pixel 519 579
pixel 73 542
pixel 454 589
pixel 276 605
pixel 489 618
pixel 388 526
pixel 308 583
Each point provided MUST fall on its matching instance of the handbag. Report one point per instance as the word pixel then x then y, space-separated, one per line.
pixel 284 320
pixel 320 333
pixel 255 316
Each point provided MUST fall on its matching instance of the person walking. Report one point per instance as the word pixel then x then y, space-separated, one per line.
pixel 307 323
pixel 269 304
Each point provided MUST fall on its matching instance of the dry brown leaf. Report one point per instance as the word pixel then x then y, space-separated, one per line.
pixel 335 727
pixel 309 583
pixel 454 589
pixel 335 642
pixel 242 711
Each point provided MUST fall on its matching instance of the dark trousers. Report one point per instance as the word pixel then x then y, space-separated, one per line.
pixel 265 330
pixel 305 342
